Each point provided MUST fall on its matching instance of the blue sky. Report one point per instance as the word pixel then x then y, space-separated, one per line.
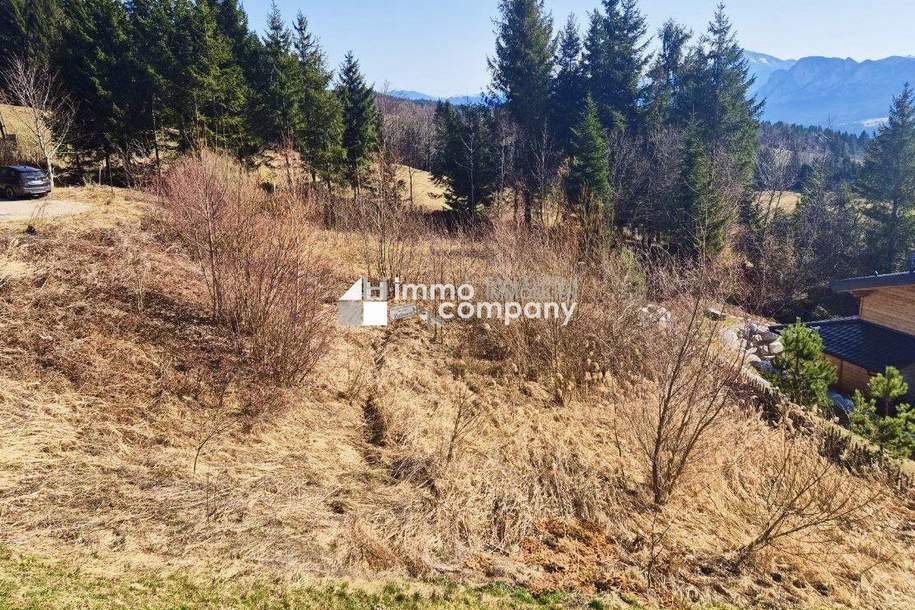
pixel 440 46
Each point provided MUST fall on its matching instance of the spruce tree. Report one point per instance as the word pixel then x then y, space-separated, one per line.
pixel 569 87
pixel 320 132
pixel 522 72
pixel 207 97
pixel 152 63
pixel 360 120
pixel 888 183
pixel 466 157
pixel 703 221
pixel 246 48
pixel 30 28
pixel 281 87
pixel 95 69
pixel 665 73
pixel 588 182
pixel 714 93
pixel 615 57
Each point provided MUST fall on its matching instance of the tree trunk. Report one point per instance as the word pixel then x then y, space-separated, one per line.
pixel 528 204
pixel 108 164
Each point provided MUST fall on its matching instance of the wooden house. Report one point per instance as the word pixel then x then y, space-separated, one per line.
pixel 881 335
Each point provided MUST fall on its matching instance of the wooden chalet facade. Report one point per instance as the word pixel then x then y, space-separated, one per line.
pixel 881 335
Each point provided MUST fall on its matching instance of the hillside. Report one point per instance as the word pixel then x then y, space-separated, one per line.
pixel 144 460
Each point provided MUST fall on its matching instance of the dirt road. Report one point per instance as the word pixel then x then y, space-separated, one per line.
pixel 27 209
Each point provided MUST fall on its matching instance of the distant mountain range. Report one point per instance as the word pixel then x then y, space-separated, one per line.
pixel 843 94
pixel 417 96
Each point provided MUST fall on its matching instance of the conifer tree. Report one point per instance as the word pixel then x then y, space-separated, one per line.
pixel 30 28
pixel 615 57
pixel 893 432
pixel 714 94
pixel 207 97
pixel 702 218
pixel 466 157
pixel 360 120
pixel 246 48
pixel 569 87
pixel 888 183
pixel 665 74
pixel 95 66
pixel 152 63
pixel 281 87
pixel 320 133
pixel 522 72
pixel 588 182
pixel 801 371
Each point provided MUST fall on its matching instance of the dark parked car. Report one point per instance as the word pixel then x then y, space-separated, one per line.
pixel 23 181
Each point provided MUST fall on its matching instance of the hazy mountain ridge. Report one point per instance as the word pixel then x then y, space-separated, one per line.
pixel 419 96
pixel 828 91
pixel 831 92
pixel 762 66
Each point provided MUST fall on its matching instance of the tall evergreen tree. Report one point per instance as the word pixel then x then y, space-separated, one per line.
pixel 665 74
pixel 569 87
pixel 466 156
pixel 888 183
pixel 827 234
pixel 704 220
pixel 151 33
pixel 30 28
pixel 360 120
pixel 715 94
pixel 615 57
pixel 522 72
pixel 588 182
pixel 320 132
pixel 207 99
pixel 246 47
pixel 281 87
pixel 95 64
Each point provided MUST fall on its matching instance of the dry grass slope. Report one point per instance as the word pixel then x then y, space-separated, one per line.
pixel 135 434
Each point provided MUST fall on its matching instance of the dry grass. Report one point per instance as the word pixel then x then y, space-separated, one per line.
pixel 426 194
pixel 15 122
pixel 402 455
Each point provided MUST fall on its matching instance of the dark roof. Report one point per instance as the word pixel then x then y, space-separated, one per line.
pixel 864 343
pixel 24 168
pixel 905 278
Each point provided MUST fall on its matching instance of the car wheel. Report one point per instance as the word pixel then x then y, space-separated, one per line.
pixel 8 193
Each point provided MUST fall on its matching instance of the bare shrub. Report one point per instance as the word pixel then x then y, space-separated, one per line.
pixel 794 496
pixel 693 377
pixel 259 259
pixel 388 227
pixel 601 336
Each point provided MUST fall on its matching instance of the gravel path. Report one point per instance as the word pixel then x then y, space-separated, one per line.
pixel 27 209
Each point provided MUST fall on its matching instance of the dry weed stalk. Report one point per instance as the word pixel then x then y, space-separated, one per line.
pixel 466 416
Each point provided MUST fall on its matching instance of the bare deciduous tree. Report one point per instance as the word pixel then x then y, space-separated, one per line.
pixel 694 378
pixel 31 85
